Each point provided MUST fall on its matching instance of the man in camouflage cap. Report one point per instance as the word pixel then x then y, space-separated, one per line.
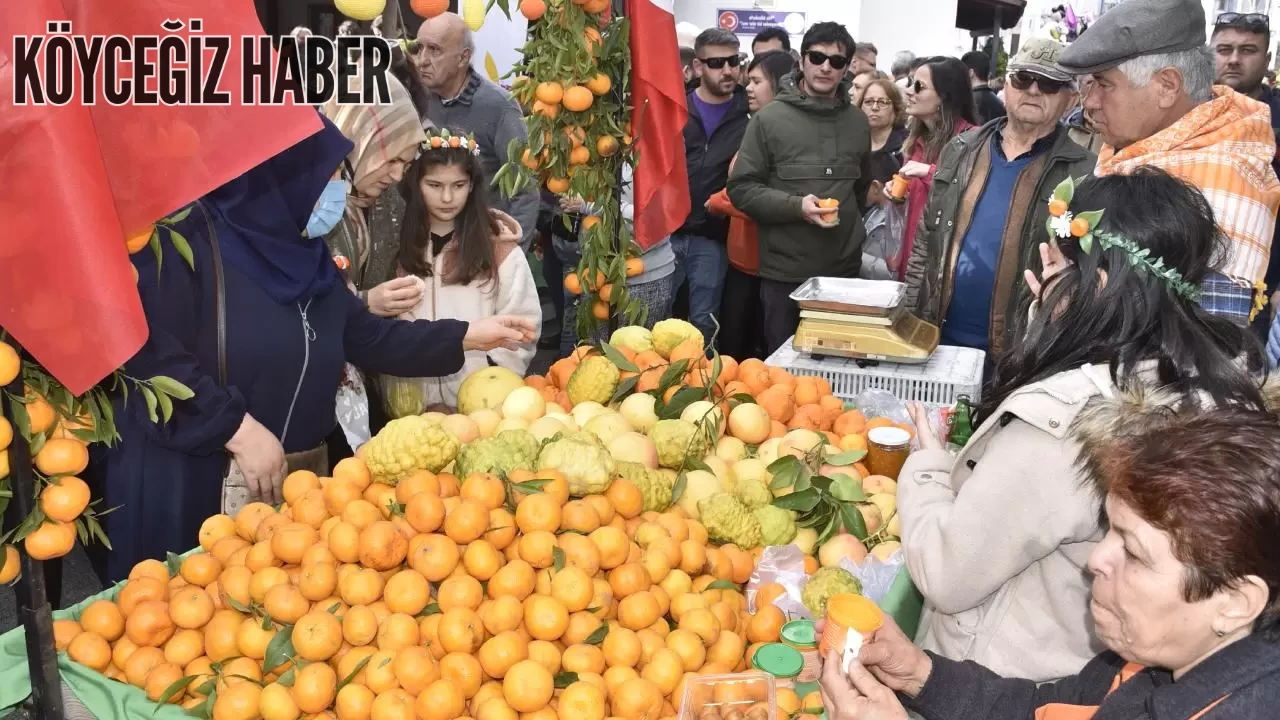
pixel 1154 103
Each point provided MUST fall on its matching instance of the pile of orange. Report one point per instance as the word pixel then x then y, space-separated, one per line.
pixel 435 599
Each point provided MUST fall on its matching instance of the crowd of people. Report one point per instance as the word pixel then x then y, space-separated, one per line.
pixel 1099 219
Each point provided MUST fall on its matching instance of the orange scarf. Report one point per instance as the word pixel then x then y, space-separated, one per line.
pixel 1224 147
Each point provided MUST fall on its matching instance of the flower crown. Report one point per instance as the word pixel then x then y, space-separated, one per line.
pixel 1084 226
pixel 445 139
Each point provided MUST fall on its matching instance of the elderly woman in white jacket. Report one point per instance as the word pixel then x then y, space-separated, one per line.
pixel 468 263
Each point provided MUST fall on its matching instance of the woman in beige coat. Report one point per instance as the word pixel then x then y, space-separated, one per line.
pixel 997 538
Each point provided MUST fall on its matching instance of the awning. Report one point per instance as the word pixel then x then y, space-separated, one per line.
pixel 980 15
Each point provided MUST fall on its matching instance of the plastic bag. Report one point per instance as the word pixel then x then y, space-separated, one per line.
pixel 876 575
pixel 882 403
pixel 882 250
pixel 784 564
pixel 352 408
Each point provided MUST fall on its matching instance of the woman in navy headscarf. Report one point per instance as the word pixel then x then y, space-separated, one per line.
pixel 264 368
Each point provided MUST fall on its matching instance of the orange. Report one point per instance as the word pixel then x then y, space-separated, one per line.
pixel 637 699
pixel 460 630
pixel 578 515
pixel 625 498
pixel 766 624
pixel 407 592
pixel 268 526
pixel 184 647
pixel 463 670
pixel 317 636
pixel 571 281
pixel 538 512
pixel 550 93
pixel 359 626
pixel 252 639
pixel 621 648
pixel 580 552
pixel 104 618
pixel 310 509
pixel 260 556
pixel 501 614
pixel 291 541
pixel 64 499
pixel 286 604
pixel 149 625
pixel 397 631
pixel 665 670
pixel 200 569
pixel 297 483
pixel 314 687
pixel 317 581
pixel 545 617
pixel 354 702
pixel 91 650
pixel 11 564
pixel 140 663
pixel 40 414
pixel 467 522
pixel 249 517
pixel 11 362
pixel 220 635
pixel 354 470
pixel 572 587
pixel 501 652
pixel 689 647
pixel 702 623
pixel 226 549
pixel 639 610
pixel 382 546
pixel 435 557
pixel 344 541
pixel 190 607
pixel 360 586
pixel 50 540
pixel 460 591
pixel 393 705
pixel 482 560
pixel 582 701
pixel 538 548
pixel 360 514
pixel 63 456
pixel 265 579
pixel 425 512
pixel 613 545
pixel 379 676
pixel 276 703
pixel 485 489
pixel 581 658
pixel 415 669
pixel 416 483
pixel 441 700
pixel 580 628
pixel 502 529
pixel 238 702
pixel 628 579
pixel 528 686
pixel 160 679
pixel 729 649
pixel 515 579
pixel 812 701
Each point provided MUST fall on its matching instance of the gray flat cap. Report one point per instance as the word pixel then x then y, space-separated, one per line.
pixel 1135 28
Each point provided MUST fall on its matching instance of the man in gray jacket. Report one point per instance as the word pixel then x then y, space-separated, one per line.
pixel 461 99
pixel 986 214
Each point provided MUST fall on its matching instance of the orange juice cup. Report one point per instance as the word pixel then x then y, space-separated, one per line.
pixel 851 620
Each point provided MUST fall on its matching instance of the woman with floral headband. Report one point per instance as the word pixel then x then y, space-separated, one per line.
pixel 467 262
pixel 997 538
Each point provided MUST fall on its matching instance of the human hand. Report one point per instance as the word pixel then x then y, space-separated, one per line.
pixel 572 204
pixel 926 433
pixel 815 213
pixel 915 169
pixel 895 660
pixel 499 331
pixel 394 297
pixel 857 695
pixel 260 457
pixel 1053 262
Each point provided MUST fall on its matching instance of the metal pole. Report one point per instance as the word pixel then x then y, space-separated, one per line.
pixel 33 606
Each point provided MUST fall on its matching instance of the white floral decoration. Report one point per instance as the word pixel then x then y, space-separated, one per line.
pixel 1061 225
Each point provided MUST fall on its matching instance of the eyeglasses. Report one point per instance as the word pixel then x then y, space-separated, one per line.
pixel 1257 22
pixel 718 63
pixel 919 87
pixel 838 62
pixel 877 103
pixel 1024 81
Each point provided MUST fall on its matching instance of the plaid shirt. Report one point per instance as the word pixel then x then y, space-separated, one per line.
pixel 1220 295
pixel 1224 147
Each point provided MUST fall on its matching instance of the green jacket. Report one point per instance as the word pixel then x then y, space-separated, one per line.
pixel 958 183
pixel 797 146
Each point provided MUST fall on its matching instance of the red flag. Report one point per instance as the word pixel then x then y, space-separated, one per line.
pixel 659 103
pixel 80 178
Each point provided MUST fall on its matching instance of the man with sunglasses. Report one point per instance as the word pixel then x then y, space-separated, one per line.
pixel 810 144
pixel 717 120
pixel 1155 104
pixel 986 217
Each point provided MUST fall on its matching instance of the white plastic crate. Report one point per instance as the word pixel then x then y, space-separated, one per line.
pixel 950 372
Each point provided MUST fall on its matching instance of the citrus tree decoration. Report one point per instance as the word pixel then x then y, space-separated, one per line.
pixel 59 427
pixel 573 84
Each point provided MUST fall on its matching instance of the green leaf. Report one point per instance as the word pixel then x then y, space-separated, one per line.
pixel 800 501
pixel 785 471
pixel 683 398
pixel 851 517
pixel 557 556
pixel 354 672
pixel 846 489
pixel 183 247
pixel 617 358
pixel 166 406
pixel 173 563
pixel 150 397
pixel 180 215
pixel 237 605
pixel 724 585
pixel 804 482
pixel 597 637
pixel 565 679
pixel 154 244
pixel 1065 190
pixel 832 525
pixel 288 677
pixel 430 609
pixel 625 388
pixel 678 489
pixel 847 458
pixel 1086 243
pixel 530 486
pixel 171 387
pixel 280 649
pixel 673 375
pixel 172 691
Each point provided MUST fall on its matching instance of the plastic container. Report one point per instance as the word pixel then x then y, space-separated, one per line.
pixel 784 663
pixel 950 372
pixel 851 619
pixel 802 636
pixel 754 694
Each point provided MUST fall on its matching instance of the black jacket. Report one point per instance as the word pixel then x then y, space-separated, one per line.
pixel 987 105
pixel 707 159
pixel 1243 678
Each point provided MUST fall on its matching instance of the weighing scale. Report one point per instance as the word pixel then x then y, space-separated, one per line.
pixel 861 319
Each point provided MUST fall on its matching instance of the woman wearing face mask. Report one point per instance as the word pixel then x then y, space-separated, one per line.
pixel 741 326
pixel 259 330
pixel 1185 588
pixel 940 104
pixel 1116 314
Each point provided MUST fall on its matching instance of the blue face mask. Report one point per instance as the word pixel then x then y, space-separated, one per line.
pixel 328 210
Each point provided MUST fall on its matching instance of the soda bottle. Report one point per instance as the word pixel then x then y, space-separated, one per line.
pixel 961 422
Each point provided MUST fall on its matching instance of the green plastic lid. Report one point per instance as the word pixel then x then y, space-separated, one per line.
pixel 800 632
pixel 780 661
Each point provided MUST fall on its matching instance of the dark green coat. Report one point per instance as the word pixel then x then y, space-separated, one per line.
pixel 796 146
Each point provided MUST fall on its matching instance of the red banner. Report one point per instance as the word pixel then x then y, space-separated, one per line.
pixel 79 178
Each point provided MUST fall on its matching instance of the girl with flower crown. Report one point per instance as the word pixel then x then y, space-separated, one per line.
pixel 997 538
pixel 467 262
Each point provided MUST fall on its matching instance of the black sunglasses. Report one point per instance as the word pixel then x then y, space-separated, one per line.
pixel 1258 22
pixel 718 63
pixel 919 87
pixel 838 62
pixel 1024 80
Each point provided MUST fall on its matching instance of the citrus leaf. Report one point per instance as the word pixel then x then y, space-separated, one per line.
pixel 280 649
pixel 800 501
pixel 182 246
pixel 166 406
pixel 597 637
pixel 684 397
pixel 832 525
pixel 846 489
pixel 724 585
pixel 672 375
pixel 851 517
pixel 170 692
pixel 356 671
pixel 430 609
pixel 171 387
pixel 678 489
pixel 557 559
pixel 625 388
pixel 565 679
pixel 847 458
pixel 237 605
pixel 785 471
pixel 173 563
pixel 617 358
pixel 150 397
pixel 530 486
pixel 180 215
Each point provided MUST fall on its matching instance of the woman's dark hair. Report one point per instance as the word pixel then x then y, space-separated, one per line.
pixel 775 64
pixel 950 79
pixel 1211 481
pixel 474 229
pixel 1104 310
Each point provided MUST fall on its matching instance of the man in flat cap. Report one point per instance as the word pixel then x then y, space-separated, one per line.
pixel 1154 103
pixel 984 225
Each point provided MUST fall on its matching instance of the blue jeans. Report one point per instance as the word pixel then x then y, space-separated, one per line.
pixel 702 262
